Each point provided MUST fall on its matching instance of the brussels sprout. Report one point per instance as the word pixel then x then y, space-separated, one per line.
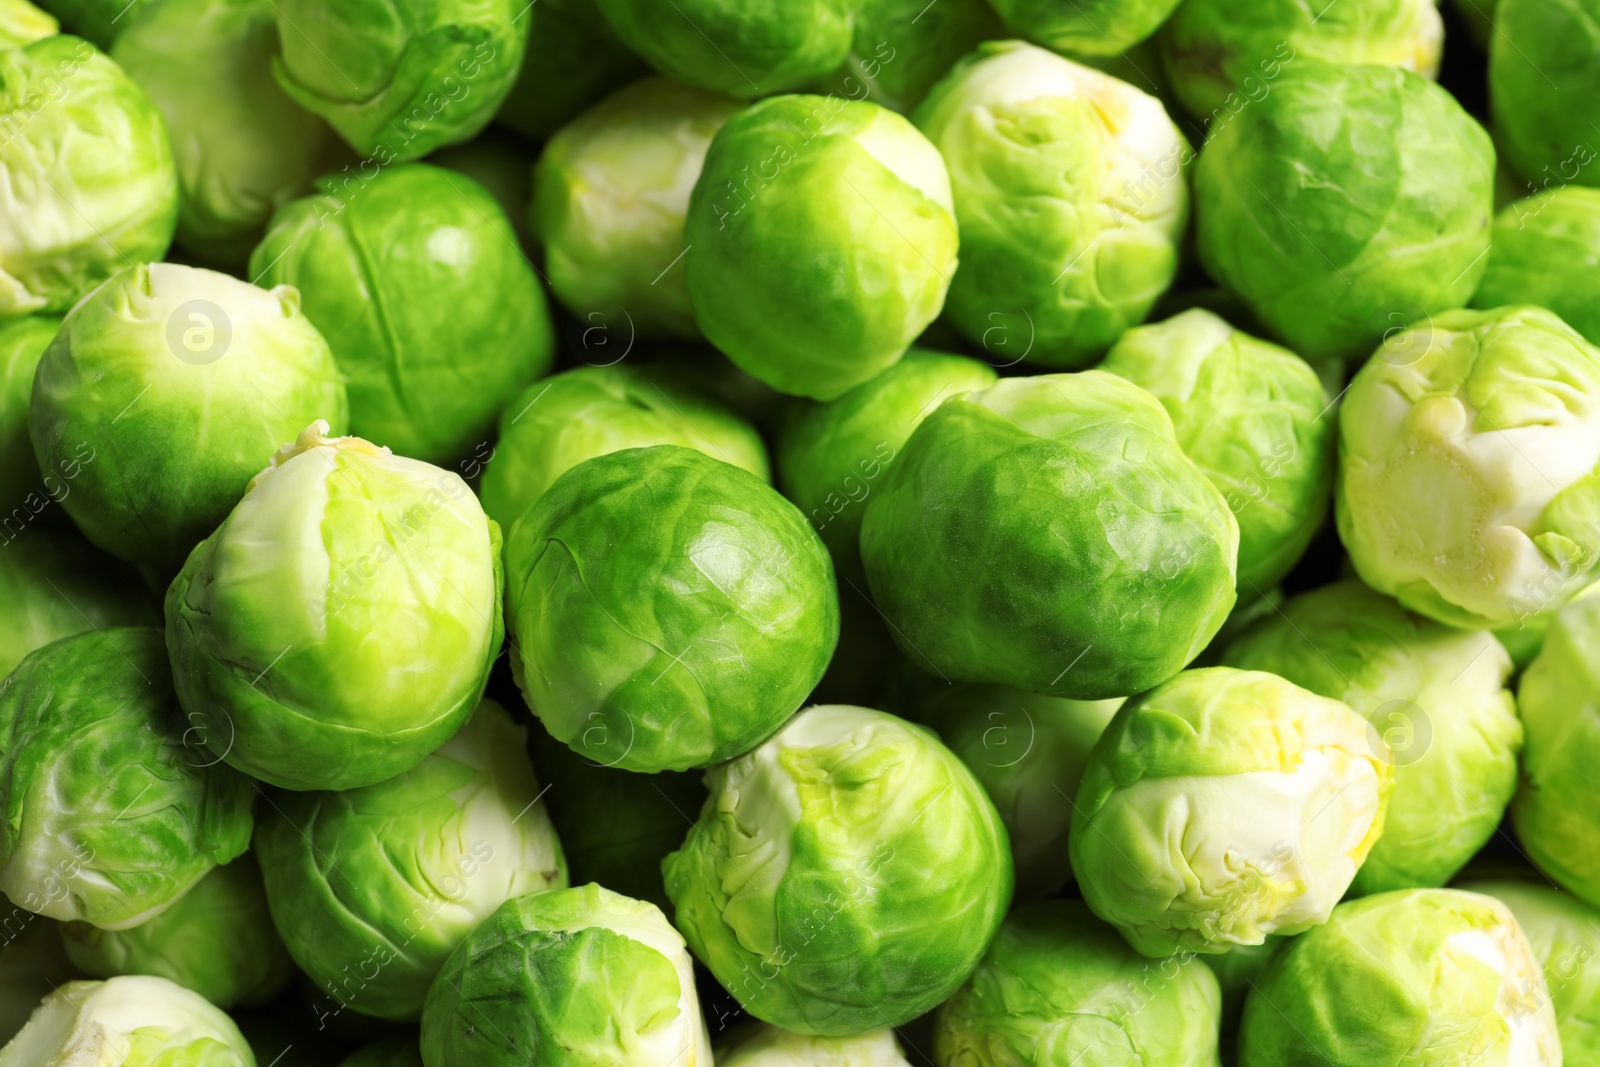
pixel 396 1052
pixel 1468 451
pixel 53 584
pixel 503 164
pixel 570 976
pixel 1345 203
pixel 128 1022
pixel 668 610
pixel 744 50
pixel 611 192
pixel 1544 87
pixel 822 241
pixel 1070 196
pixel 818 885
pixel 21 24
pixel 902 47
pixel 1057 988
pixel 243 148
pixel 93 718
pixel 434 315
pixel 32 963
pixel 1557 808
pixel 1251 416
pixel 615 826
pixel 22 342
pixel 767 1046
pixel 421 859
pixel 399 79
pixel 1435 695
pixel 89 172
pixel 340 624
pixel 1223 806
pixel 831 455
pixel 162 394
pixel 99 21
pixel 1049 534
pixel 1029 752
pixel 591 411
pixel 1211 48
pixel 217 939
pixel 1432 976
pixel 574 58
pixel 1565 937
pixel 1546 251
pixel 1085 27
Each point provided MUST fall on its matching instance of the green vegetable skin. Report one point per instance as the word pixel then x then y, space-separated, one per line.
pixel 132 1022
pixel 1546 251
pixel 54 584
pixel 574 58
pixel 1544 89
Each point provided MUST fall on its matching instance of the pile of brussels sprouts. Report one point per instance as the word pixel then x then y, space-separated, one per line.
pixel 799 533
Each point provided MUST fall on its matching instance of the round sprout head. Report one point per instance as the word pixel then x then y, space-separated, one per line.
pixel 769 1046
pixel 22 343
pixel 1225 806
pixel 574 58
pixel 573 975
pixel 1434 695
pixel 817 885
pixel 822 241
pixel 1544 89
pixel 340 624
pixel 1086 27
pixel 1544 253
pixel 21 24
pixel 611 192
pixel 1468 451
pixel 1100 164
pixel 94 718
pixel 1335 246
pixel 91 173
pixel 1254 419
pixel 130 1022
pixel 676 642
pixel 1417 975
pixel 1058 988
pixel 1104 561
pixel 159 358
pixel 1211 50
pixel 398 80
pixel 557 423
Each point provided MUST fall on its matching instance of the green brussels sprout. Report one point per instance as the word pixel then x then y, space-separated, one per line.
pixel 1468 451
pixel 243 148
pixel 1546 251
pixel 1251 416
pixel 616 826
pixel 1544 88
pixel 555 425
pixel 503 164
pixel 822 240
pixel 831 455
pixel 1058 988
pixel 396 1052
pixel 1029 752
pixel 1224 806
pixel 53 584
pixel 1071 201
pixel 1437 697
pixel 93 718
pixel 91 180
pixel 1433 976
pixel 610 195
pixel 21 24
pixel 32 963
pixel 1347 202
pixel 340 624
pixel 818 885
pixel 1557 807
pixel 667 610
pixel 569 976
pixel 164 392
pixel 744 50
pixel 136 1021
pixel 22 343
pixel 1049 534
pixel 421 859
pixel 217 939
pixel 1211 49
pixel 1085 27
pixel 902 47
pixel 574 58
pixel 401 78
pixel 99 21
pixel 432 311
pixel 1565 937
pixel 768 1046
